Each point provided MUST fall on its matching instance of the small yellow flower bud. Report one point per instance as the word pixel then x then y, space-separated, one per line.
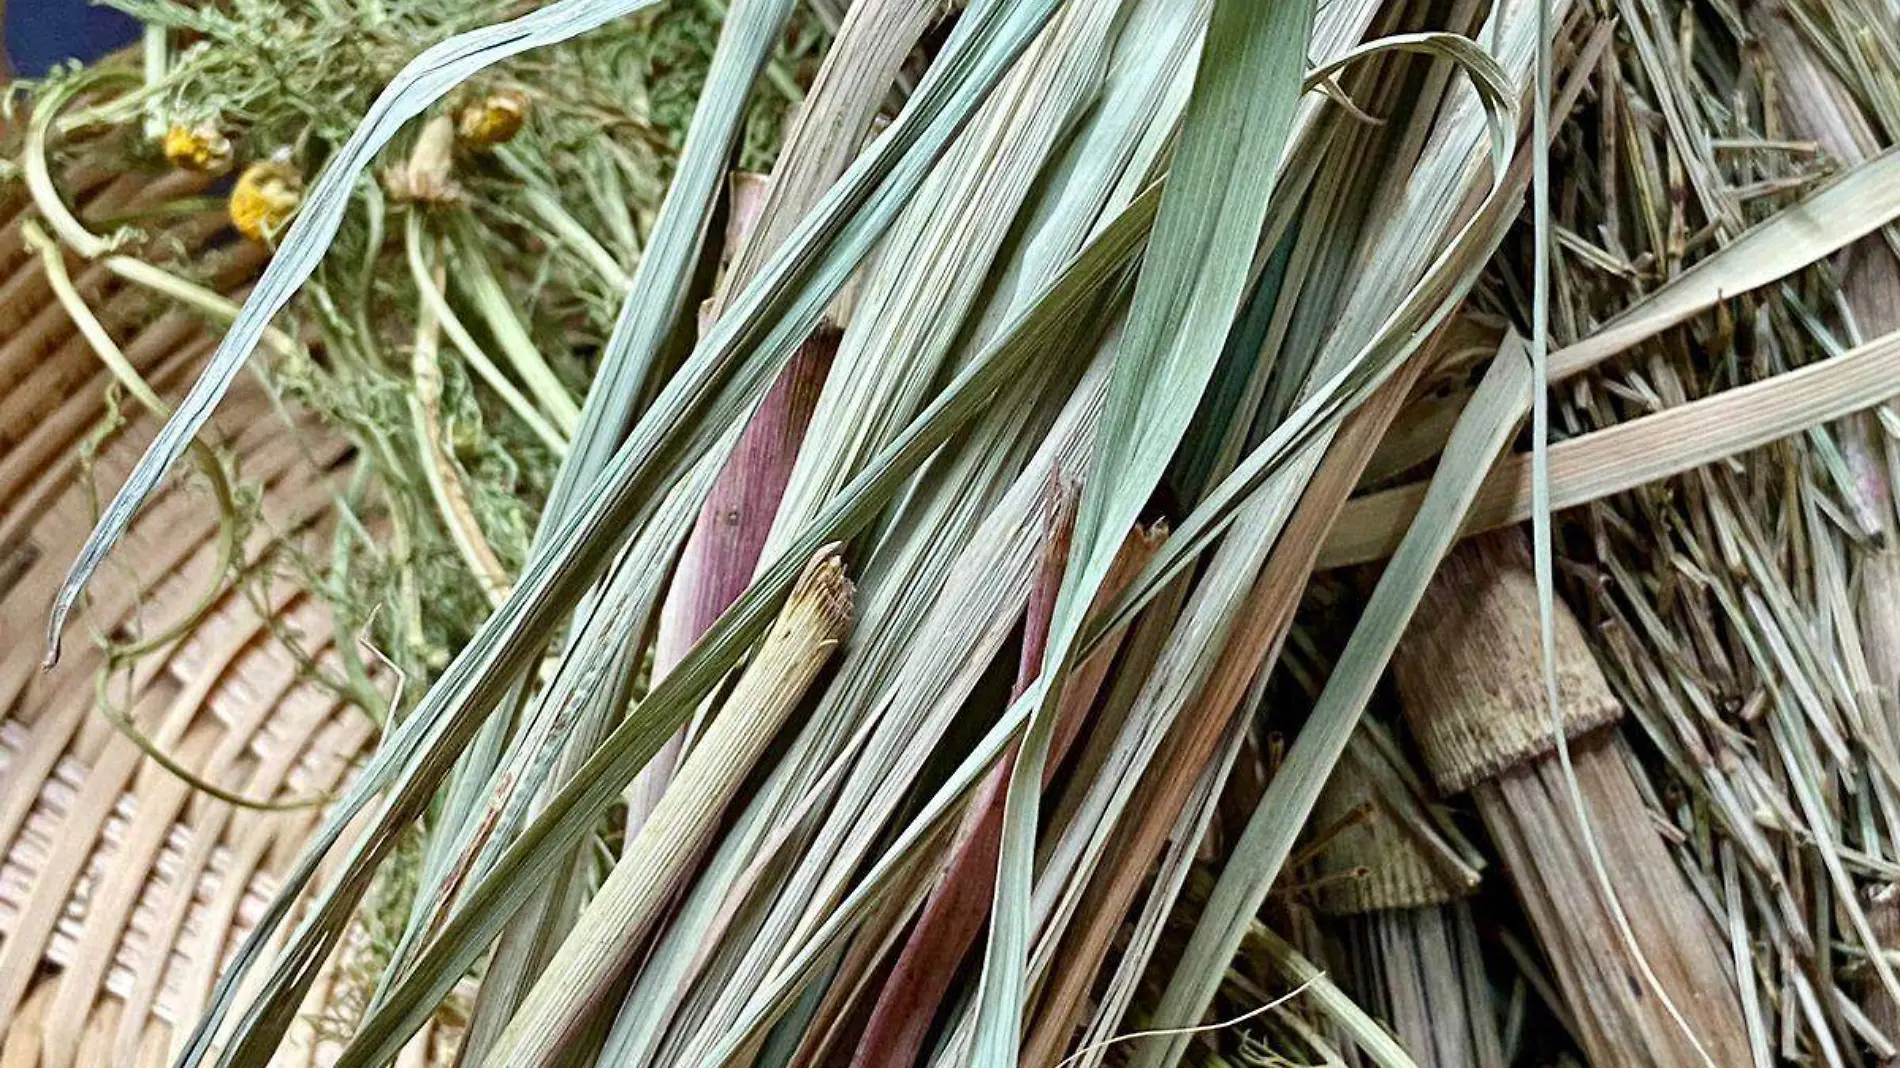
pixel 265 197
pixel 199 148
pixel 493 119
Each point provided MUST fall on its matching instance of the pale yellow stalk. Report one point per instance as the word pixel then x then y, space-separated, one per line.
pixel 616 922
pixel 1647 449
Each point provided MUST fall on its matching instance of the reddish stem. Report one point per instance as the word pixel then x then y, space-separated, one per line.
pixel 954 913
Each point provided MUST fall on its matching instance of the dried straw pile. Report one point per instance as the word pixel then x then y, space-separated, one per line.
pixel 1104 550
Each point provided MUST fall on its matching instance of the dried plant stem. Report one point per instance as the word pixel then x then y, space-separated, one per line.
pixel 820 143
pixel 438 467
pixel 563 999
pixel 1818 107
pixel 208 302
pixel 1471 680
pixel 1430 983
pixel 1883 1012
pixel 959 903
pixel 127 376
pixel 1255 640
pixel 497 309
pixel 421 271
pixel 723 549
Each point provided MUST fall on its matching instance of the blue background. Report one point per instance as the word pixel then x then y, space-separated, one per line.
pixel 42 33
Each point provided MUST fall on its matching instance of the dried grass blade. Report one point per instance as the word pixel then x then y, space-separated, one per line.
pixel 1246 95
pixel 1859 202
pixel 616 921
pixel 572 812
pixel 800 280
pixel 1640 451
pixel 1495 410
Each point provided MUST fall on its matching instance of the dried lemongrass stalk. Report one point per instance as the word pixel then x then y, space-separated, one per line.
pixel 570 988
pixel 723 549
pixel 960 902
pixel 1265 616
pixel 1471 679
pixel 820 143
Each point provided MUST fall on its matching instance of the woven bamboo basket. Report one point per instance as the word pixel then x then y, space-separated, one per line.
pixel 122 888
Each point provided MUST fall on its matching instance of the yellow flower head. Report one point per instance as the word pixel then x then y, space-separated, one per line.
pixel 265 197
pixel 492 120
pixel 198 148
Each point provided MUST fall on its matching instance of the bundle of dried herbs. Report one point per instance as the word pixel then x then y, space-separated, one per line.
pixel 1083 337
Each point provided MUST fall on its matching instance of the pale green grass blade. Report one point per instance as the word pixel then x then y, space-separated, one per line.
pixel 573 812
pixel 1246 94
pixel 1492 416
pixel 1201 632
pixel 936 261
pixel 726 374
pixel 1391 311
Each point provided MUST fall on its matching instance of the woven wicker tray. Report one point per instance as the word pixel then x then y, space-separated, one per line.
pixel 123 890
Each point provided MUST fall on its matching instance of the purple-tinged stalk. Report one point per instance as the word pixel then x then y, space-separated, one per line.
pixel 869 50
pixel 959 904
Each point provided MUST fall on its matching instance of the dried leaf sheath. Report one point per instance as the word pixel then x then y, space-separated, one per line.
pixel 618 918
pixel 722 552
pixel 1470 679
pixel 960 900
